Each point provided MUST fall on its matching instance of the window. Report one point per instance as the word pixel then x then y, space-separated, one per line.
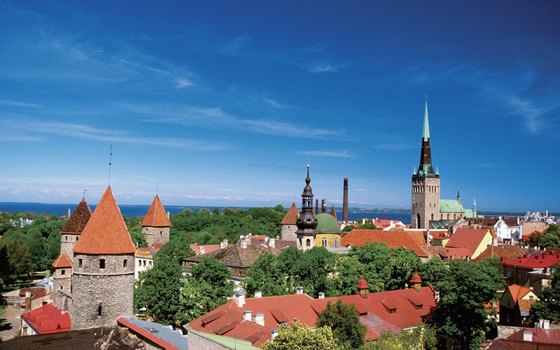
pixel 63 272
pixel 99 309
pixel 124 263
pixel 324 242
pixel 77 239
pixel 336 242
pixel 61 287
pixel 101 263
pixel 80 263
pixel 308 242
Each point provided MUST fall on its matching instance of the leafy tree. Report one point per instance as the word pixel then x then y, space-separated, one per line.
pixel 550 238
pixel 15 256
pixel 461 313
pixel 313 270
pixel 266 275
pixel 348 271
pixel 345 324
pixel 134 226
pixel 433 271
pixel 297 337
pixel 420 338
pixel 348 228
pixel 157 291
pixel 177 249
pixel 548 306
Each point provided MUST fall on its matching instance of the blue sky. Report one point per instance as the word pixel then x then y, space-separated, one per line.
pixel 223 103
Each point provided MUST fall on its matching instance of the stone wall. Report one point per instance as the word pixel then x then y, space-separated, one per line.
pixel 288 232
pixel 67 243
pixel 156 235
pixel 425 201
pixel 101 295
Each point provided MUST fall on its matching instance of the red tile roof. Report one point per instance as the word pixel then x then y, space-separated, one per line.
pixel 156 215
pixel 48 319
pixel 62 261
pixel 36 292
pixel 105 232
pixel 408 308
pixel 362 284
pixel 291 216
pixel 517 292
pixel 540 335
pixel 501 251
pixel 467 238
pixel 533 262
pixel 410 240
pixel 78 220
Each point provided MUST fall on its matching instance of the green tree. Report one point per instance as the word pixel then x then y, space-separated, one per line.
pixel 420 338
pixel 157 291
pixel 345 324
pixel 297 337
pixel 16 259
pixel 348 271
pixel 266 275
pixel 461 313
pixel 177 249
pixel 550 238
pixel 134 226
pixel 433 271
pixel 313 270
pixel 548 306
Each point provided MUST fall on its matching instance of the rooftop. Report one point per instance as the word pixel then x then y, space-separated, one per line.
pixel 291 216
pixel 62 261
pixel 156 215
pixel 78 220
pixel 48 319
pixel 411 240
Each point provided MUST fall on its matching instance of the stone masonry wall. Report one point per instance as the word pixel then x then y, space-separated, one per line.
pixel 100 296
pixel 67 243
pixel 156 235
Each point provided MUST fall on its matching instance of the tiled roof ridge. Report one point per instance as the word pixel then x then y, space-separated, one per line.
pixel 105 232
pixel 78 220
pixel 291 216
pixel 62 261
pixel 156 215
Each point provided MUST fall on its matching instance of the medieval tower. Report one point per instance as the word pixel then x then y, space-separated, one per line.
pixel 103 269
pixel 155 225
pixel 62 283
pixel 306 222
pixel 425 183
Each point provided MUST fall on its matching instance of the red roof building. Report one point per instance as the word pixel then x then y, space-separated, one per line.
pixel 105 232
pixel 529 339
pixel 529 271
pixel 515 305
pixel 156 215
pixel 254 319
pixel 291 216
pixel 78 220
pixel 62 261
pixel 468 243
pixel 45 320
pixel 411 240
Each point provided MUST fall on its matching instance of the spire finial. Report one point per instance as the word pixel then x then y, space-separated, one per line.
pixel 110 158
pixel 426 131
pixel 84 193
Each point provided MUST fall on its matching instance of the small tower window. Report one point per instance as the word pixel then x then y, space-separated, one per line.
pixel 80 263
pixel 124 263
pixel 63 272
pixel 101 263
pixel 308 242
pixel 99 309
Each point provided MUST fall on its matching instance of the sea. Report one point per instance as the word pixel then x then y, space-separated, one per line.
pixel 354 214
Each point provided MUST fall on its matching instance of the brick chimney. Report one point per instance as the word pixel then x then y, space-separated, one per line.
pixel 299 290
pixel 345 201
pixel 259 318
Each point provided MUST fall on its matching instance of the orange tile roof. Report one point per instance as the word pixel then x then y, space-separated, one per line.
pixel 467 238
pixel 393 239
pixel 156 215
pixel 501 251
pixel 291 216
pixel 410 307
pixel 48 319
pixel 62 261
pixel 105 232
pixel 78 219
pixel 517 292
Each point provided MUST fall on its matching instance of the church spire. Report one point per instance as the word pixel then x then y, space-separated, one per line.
pixel 425 168
pixel 306 222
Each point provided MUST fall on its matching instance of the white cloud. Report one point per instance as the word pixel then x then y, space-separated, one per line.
pixel 181 83
pixel 330 154
pixel 12 103
pixel 323 67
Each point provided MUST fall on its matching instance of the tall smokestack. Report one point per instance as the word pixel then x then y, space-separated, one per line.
pixel 323 205
pixel 345 201
pixel 316 206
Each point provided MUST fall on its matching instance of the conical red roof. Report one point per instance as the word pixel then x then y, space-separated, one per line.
pixel 416 278
pixel 362 284
pixel 105 232
pixel 78 220
pixel 291 216
pixel 62 261
pixel 156 216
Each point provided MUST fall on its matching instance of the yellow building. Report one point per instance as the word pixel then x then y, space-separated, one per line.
pixel 328 231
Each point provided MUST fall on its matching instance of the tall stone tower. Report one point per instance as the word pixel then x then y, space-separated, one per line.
pixel 103 269
pixel 69 235
pixel 155 225
pixel 425 183
pixel 288 225
pixel 306 222
pixel 345 201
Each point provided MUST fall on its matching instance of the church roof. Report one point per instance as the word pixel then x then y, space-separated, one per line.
pixel 62 261
pixel 327 224
pixel 450 206
pixel 78 220
pixel 105 232
pixel 291 216
pixel 156 216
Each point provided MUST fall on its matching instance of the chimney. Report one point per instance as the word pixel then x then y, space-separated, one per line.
pixel 544 324
pixel 323 205
pixel 27 301
pixel 316 206
pixel 436 295
pixel 272 242
pixel 273 333
pixel 247 315
pixel 527 335
pixel 321 295
pixel 258 294
pixel 259 318
pixel 224 244
pixel 201 250
pixel 345 201
pixel 299 290
pixel 239 298
pixel 243 244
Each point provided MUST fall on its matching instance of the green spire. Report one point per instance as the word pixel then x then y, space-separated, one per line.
pixel 426 131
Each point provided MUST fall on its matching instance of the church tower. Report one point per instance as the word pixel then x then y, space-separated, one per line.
pixel 155 225
pixel 425 183
pixel 103 269
pixel 306 222
pixel 74 226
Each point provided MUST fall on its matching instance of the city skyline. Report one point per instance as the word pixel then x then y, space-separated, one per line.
pixel 213 104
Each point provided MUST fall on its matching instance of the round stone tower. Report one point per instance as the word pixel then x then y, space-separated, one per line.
pixel 74 226
pixel 155 225
pixel 103 269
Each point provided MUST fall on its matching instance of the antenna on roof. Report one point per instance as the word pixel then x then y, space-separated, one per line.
pixel 110 158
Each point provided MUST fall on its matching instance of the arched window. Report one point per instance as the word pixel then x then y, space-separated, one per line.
pixel 308 242
pixel 324 242
pixel 336 242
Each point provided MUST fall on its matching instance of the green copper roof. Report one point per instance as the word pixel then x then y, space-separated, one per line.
pixel 327 224
pixel 426 131
pixel 440 224
pixel 450 206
